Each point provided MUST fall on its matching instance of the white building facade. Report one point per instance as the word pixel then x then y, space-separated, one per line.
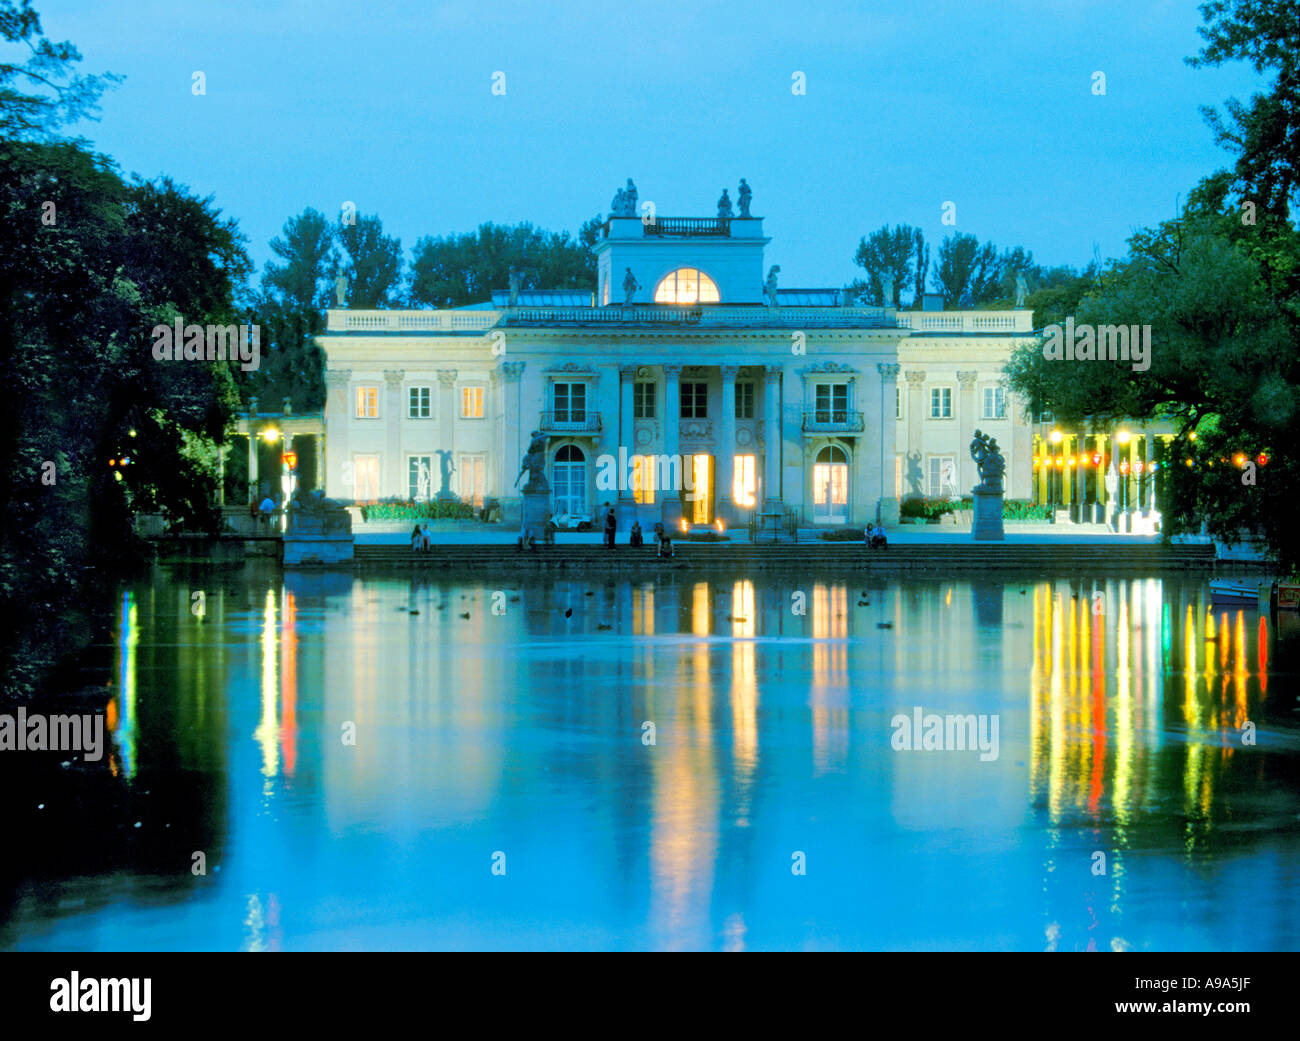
pixel 685 387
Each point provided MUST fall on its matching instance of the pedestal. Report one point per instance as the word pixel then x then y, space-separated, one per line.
pixel 987 523
pixel 887 511
pixel 537 507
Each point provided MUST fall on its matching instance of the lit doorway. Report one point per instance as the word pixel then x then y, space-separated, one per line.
pixel 473 480
pixel 701 509
pixel 831 486
pixel 570 482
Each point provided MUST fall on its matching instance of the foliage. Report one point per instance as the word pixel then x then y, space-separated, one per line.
pixel 374 262
pixel 80 296
pixel 902 254
pixel 457 270
pixel 410 509
pixel 58 95
pixel 1024 509
pixel 920 506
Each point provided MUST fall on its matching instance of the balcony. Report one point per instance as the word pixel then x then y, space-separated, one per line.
pixel 832 421
pixel 714 227
pixel 570 421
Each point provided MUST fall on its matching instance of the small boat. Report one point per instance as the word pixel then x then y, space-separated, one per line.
pixel 1234 591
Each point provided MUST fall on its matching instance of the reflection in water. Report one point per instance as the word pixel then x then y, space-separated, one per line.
pixel 1123 705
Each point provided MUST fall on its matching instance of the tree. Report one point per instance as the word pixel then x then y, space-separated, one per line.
pixel 80 297
pixel 291 311
pixel 374 261
pixel 965 266
pixel 899 254
pixel 1223 366
pixel 1264 134
pixel 44 92
pixel 456 270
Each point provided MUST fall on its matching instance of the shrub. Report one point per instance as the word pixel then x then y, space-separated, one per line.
pixel 430 509
pixel 917 506
pixel 1023 509
pixel 843 535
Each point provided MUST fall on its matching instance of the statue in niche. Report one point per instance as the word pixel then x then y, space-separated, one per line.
pixel 630 286
pixel 988 460
pixel 743 196
pixel 724 205
pixel 769 287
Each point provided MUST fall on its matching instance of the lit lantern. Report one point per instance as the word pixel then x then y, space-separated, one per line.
pixel 290 459
pixel 1189 462
pixel 1138 467
pixel 1123 467
pixel 1096 458
pixel 1239 460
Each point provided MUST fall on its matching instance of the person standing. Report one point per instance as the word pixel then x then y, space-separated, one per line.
pixel 611 526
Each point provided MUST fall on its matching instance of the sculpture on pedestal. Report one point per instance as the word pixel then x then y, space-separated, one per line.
pixel 987 524
pixel 340 290
pixel 769 287
pixel 724 205
pixel 534 465
pixel 630 286
pixel 444 461
pixel 1022 289
pixel 536 493
pixel 887 290
pixel 743 196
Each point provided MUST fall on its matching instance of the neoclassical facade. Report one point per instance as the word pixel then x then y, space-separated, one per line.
pixel 685 386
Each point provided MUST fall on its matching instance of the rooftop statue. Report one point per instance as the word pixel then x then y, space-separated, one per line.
pixel 534 464
pixel 340 290
pixel 887 290
pixel 629 198
pixel 515 280
pixel 988 459
pixel 630 286
pixel 724 205
pixel 769 287
pixel 618 205
pixel 743 195
pixel 1022 289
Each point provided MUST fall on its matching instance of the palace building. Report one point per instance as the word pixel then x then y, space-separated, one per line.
pixel 685 385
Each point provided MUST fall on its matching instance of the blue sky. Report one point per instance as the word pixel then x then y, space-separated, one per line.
pixel 909 104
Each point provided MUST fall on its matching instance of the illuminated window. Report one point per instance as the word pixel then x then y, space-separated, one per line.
pixel 686 285
pixel 643 479
pixel 471 402
pixel 365 471
pixel 367 403
pixel 745 484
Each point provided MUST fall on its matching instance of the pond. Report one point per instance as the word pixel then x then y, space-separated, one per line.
pixel 339 761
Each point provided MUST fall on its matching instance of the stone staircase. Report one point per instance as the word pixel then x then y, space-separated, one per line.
pixel 1142 559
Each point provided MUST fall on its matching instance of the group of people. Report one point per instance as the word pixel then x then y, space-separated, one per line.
pixel 874 537
pixel 663 542
pixel 421 540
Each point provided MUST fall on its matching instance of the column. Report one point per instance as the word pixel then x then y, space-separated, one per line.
pixel 394 465
pixel 726 442
pixel 913 470
pixel 626 446
pixel 967 476
pixel 887 512
pixel 1020 467
pixel 671 499
pixel 508 376
pixel 335 462
pixel 253 490
pixel 771 437
pixel 446 424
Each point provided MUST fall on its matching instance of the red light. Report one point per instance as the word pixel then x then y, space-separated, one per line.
pixel 1138 467
pixel 1262 459
pixel 1123 467
pixel 1096 458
